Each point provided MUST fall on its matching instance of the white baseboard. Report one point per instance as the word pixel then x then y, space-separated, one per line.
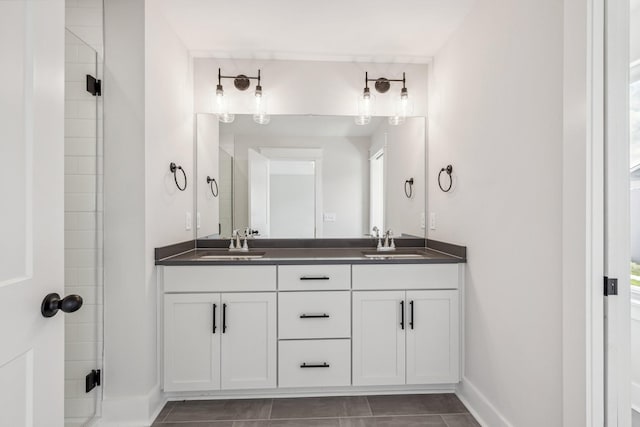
pixel 480 407
pixel 132 411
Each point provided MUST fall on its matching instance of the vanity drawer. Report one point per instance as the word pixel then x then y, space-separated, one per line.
pixel 405 276
pixel 314 277
pixel 213 278
pixel 314 363
pixel 314 315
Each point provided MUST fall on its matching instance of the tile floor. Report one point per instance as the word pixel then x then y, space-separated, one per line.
pixel 433 410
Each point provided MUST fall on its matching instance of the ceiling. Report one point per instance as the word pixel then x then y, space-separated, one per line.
pixel 408 31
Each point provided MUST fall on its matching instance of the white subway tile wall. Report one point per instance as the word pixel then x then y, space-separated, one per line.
pixel 83 208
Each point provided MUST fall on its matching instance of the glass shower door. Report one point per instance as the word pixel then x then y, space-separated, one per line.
pixel 83 233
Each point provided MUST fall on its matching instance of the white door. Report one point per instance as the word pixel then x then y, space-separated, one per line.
pixel 379 325
pixel 259 193
pixel 249 340
pixel 31 225
pixel 192 329
pixel 432 337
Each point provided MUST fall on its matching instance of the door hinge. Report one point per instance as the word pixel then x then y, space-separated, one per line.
pixel 94 86
pixel 92 380
pixel 610 286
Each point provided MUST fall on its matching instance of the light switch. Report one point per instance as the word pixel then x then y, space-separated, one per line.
pixel 432 221
pixel 198 220
pixel 423 221
pixel 187 221
pixel 329 217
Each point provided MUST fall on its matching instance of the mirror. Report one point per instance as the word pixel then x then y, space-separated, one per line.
pixel 310 177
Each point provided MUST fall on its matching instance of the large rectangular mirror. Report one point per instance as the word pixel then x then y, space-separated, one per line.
pixel 310 177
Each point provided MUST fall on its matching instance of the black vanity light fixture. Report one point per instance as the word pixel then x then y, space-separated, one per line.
pixel 242 83
pixel 366 102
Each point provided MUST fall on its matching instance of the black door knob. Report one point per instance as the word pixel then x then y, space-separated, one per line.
pixel 52 303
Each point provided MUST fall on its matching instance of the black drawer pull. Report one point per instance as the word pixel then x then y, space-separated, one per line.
pixel 315 278
pixel 314 316
pixel 401 314
pixel 324 365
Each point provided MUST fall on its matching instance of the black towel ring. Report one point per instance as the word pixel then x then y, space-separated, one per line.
pixel 173 168
pixel 448 170
pixel 410 192
pixel 212 181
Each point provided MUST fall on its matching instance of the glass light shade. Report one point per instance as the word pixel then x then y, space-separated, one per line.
pixel 396 120
pixel 226 117
pixel 221 107
pixel 366 104
pixel 260 115
pixel 362 120
pixel 403 108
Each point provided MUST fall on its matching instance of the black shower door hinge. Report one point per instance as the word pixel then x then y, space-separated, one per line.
pixel 610 286
pixel 94 86
pixel 92 380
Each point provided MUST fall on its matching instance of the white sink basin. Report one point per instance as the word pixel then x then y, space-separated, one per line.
pixel 232 256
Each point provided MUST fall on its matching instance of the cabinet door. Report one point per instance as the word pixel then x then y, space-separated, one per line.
pixel 378 338
pixel 248 340
pixel 192 342
pixel 432 337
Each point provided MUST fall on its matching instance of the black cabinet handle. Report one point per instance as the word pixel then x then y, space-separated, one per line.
pixel 401 314
pixel 214 317
pixel 324 365
pixel 224 318
pixel 315 278
pixel 411 318
pixel 314 316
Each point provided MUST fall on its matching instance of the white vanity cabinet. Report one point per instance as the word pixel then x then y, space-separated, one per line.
pixel 406 336
pixel 219 340
pixel 302 328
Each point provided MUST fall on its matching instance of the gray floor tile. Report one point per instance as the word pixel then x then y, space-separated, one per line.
pixel 213 410
pixel 416 404
pixel 396 421
pixel 460 420
pixel 326 422
pixel 320 407
pixel 197 424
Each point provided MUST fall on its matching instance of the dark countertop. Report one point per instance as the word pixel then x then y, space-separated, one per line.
pixel 299 256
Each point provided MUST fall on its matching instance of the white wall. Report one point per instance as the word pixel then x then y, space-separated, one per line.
pixel 308 87
pixel 495 114
pixel 148 124
pixel 129 330
pixel 345 179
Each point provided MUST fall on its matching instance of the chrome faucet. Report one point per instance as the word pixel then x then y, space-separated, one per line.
pixel 236 244
pixel 389 244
